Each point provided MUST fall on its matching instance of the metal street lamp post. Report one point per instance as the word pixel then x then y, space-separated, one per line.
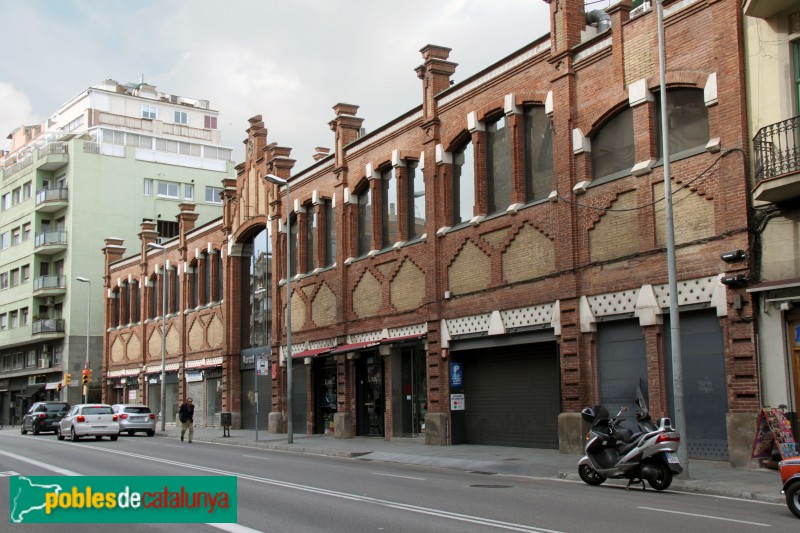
pixel 88 321
pixel 279 181
pixel 162 411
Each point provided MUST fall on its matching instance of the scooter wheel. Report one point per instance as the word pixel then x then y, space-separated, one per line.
pixel 590 476
pixel 664 478
pixel 793 499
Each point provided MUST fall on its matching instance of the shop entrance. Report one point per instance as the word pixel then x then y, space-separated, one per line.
pixel 415 392
pixel 324 394
pixel 370 397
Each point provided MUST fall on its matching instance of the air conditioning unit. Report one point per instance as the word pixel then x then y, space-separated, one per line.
pixel 44 362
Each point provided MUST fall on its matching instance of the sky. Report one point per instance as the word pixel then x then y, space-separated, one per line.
pixel 289 61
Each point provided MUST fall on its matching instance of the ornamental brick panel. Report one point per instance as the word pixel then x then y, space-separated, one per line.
pixel 471 271
pixel 323 307
pixel 367 296
pixel 530 255
pixel 408 287
pixel 616 234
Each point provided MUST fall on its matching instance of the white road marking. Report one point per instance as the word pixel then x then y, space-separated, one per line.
pixel 706 516
pixel 404 477
pixel 342 495
pixel 257 457
pixel 9 473
pixel 56 469
pixel 234 528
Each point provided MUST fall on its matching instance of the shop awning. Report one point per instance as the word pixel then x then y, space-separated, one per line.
pixel 359 346
pixel 312 353
pixel 30 390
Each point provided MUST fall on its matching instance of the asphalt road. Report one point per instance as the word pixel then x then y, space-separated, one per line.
pixel 280 491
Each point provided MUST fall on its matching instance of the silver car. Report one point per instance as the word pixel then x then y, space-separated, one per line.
pixel 133 418
pixel 89 420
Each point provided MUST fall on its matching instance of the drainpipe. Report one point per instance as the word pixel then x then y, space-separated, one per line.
pixel 601 18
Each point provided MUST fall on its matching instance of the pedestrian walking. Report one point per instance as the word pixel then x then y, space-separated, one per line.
pixel 186 415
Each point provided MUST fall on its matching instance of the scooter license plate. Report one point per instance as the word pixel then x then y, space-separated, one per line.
pixel 672 457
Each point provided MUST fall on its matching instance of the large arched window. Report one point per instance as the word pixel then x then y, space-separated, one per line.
pixel 389 208
pixel 295 245
pixel 416 200
pixel 688 121
pixel 115 307
pixel 154 295
pixel 220 277
pixel 173 287
pixel 330 231
pixel 538 154
pixel 612 146
pixel 463 184
pixel 194 289
pixel 136 312
pixel 206 277
pixel 125 298
pixel 364 220
pixel 311 241
pixel 498 165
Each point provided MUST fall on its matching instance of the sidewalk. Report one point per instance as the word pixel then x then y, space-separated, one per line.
pixel 715 478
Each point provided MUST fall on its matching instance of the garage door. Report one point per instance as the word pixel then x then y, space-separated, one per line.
pixel 622 361
pixel 512 395
pixel 248 400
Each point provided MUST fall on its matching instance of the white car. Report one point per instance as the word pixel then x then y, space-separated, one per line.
pixel 89 420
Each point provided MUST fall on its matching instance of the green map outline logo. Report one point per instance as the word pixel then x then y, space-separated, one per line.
pixel 122 499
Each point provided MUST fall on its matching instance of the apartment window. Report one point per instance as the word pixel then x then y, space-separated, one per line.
pixel 365 221
pixel 463 184
pixel 612 146
pixel 538 154
pixel 132 140
pixel 7 201
pixel 30 358
pixel 168 189
pixel 796 57
pixel 188 191
pixel 330 232
pixel 23 314
pixel 416 200
pixel 27 190
pixel 5 240
pixel 389 207
pixel 145 142
pixel 149 111
pixel 3 322
pixel 6 362
pixel 148 187
pixel 213 195
pixel 688 121
pixel 19 361
pixel 13 319
pixel 209 122
pixel 498 165
pixel 58 354
pixel 16 196
pixel 26 231
pixel 181 117
pixel 311 242
pixel 25 271
pixel 14 275
pixel 15 236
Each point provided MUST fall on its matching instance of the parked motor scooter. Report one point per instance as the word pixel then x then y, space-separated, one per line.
pixel 619 453
pixel 790 477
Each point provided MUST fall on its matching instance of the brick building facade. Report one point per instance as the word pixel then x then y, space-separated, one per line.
pixel 488 263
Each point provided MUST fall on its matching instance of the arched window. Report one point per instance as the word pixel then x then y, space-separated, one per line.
pixel 498 165
pixel 136 312
pixel 220 280
pixel 154 295
pixel 538 154
pixel 463 184
pixel 124 304
pixel 194 289
pixel 612 146
pixel 389 207
pixel 416 200
pixel 364 220
pixel 206 278
pixel 330 232
pixel 688 121
pixel 311 241
pixel 295 245
pixel 173 287
pixel 115 307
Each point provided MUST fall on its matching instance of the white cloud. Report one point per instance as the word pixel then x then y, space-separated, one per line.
pixel 16 110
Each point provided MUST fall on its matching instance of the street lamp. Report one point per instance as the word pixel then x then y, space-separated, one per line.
pixel 279 181
pixel 88 311
pixel 162 412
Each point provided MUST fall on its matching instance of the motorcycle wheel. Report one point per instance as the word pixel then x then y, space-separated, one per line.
pixel 664 478
pixel 793 499
pixel 590 476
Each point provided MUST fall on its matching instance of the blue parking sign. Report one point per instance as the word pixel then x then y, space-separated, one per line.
pixel 456 375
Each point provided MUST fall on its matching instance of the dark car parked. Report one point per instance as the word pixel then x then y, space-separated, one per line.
pixel 43 416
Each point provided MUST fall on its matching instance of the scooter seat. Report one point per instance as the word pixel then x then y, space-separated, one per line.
pixel 628 446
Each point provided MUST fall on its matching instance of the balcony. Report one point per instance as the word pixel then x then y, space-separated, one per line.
pixel 49 200
pixel 48 325
pixel 13 168
pixel 49 285
pixel 777 162
pixel 50 242
pixel 52 156
pixel 765 9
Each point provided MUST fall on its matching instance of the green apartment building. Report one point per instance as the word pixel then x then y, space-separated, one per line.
pixel 110 158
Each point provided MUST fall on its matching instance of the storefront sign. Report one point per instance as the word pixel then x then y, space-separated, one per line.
pixel 193 375
pixel 132 395
pixel 262 366
pixel 456 402
pixel 456 375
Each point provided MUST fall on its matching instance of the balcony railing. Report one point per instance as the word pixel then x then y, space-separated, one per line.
pixel 51 195
pixel 49 282
pixel 777 149
pixel 50 237
pixel 52 148
pixel 48 325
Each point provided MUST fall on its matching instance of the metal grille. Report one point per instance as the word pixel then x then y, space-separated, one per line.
pixel 777 149
pixel 615 303
pixel 527 316
pixel 469 324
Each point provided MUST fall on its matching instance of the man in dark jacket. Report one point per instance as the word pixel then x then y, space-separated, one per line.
pixel 186 415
